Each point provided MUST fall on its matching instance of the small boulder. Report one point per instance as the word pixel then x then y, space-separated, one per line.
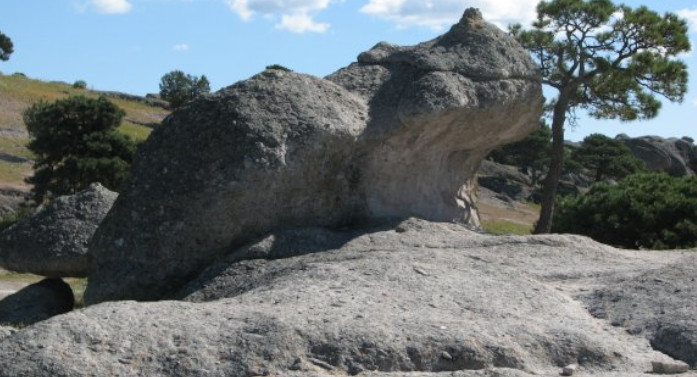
pixel 37 302
pixel 53 242
pixel 662 367
pixel 569 370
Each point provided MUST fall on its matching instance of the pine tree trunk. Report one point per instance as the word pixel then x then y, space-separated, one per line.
pixel 549 191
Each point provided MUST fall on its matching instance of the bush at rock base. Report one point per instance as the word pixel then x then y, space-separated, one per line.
pixel 654 211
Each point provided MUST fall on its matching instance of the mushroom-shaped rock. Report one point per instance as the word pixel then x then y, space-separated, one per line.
pixel 53 242
pixel 436 109
pixel 398 134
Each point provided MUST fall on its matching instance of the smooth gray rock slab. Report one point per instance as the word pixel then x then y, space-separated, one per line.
pixel 36 302
pixel 659 304
pixel 53 242
pixel 399 133
pixel 392 301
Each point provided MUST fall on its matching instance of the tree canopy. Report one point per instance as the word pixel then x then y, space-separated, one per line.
pixel 178 88
pixel 605 158
pixel 530 154
pixel 76 143
pixel 6 47
pixel 610 60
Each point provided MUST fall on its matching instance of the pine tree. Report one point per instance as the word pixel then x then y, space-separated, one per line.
pixel 610 60
pixel 76 143
pixel 178 88
pixel 607 158
pixel 6 47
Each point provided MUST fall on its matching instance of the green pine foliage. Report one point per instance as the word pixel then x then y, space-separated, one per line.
pixel 80 84
pixel 6 47
pixel 654 211
pixel 76 143
pixel 530 154
pixel 278 67
pixel 607 158
pixel 178 88
pixel 610 60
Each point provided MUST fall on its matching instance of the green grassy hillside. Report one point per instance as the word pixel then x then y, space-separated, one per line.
pixel 17 93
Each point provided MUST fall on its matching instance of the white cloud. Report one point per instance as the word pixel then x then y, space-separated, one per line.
pixel 241 7
pixel 438 14
pixel 181 47
pixel 301 23
pixel 112 6
pixel 296 15
pixel 691 16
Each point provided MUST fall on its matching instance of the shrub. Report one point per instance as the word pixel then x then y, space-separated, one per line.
pixel 654 211
pixel 278 67
pixel 80 84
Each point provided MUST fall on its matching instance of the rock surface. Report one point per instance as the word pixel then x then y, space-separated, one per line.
pixel 384 303
pixel 659 304
pixel 37 302
pixel 6 331
pixel 677 157
pixel 398 134
pixel 505 180
pixel 436 109
pixel 53 242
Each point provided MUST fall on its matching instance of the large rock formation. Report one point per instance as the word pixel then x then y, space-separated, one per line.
pixel 421 297
pixel 53 242
pixel 677 157
pixel 398 134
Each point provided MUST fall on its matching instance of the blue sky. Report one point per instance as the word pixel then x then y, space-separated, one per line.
pixel 127 45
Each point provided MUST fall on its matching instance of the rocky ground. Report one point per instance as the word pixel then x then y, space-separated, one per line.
pixel 422 297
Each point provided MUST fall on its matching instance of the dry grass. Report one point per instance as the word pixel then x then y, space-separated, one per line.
pixel 17 93
pixel 508 218
pixel 18 281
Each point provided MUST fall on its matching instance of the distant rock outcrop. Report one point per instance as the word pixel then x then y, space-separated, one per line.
pixel 53 242
pixel 677 157
pixel 505 180
pixel 36 302
pixel 399 133
pixel 418 299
